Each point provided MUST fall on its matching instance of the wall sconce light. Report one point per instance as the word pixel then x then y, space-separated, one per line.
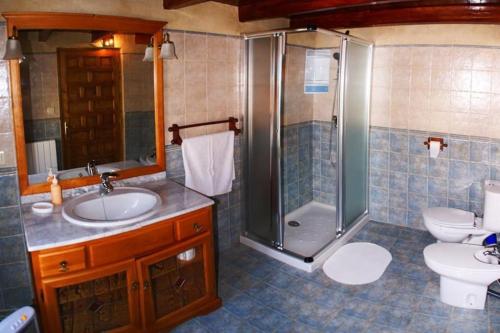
pixel 149 52
pixel 13 50
pixel 167 48
pixel 108 41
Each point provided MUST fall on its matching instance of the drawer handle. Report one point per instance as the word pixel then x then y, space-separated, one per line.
pixel 197 227
pixel 135 285
pixel 63 266
pixel 146 285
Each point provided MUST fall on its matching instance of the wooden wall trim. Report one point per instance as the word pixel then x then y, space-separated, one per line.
pixel 74 21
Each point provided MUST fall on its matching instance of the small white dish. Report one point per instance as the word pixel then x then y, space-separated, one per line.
pixel 42 207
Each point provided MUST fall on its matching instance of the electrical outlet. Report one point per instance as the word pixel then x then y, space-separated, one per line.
pixel 51 110
pixel 2 157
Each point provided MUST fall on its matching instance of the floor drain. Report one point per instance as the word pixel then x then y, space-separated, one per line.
pixel 294 223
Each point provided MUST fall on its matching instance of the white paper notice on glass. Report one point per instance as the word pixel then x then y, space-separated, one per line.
pixel 317 71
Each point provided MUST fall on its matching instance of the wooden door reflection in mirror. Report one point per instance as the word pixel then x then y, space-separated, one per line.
pixel 90 106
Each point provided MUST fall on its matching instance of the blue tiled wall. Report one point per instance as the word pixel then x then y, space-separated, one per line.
pixel 139 134
pixel 308 173
pixel 404 180
pixel 297 165
pixel 228 206
pixel 324 170
pixel 15 280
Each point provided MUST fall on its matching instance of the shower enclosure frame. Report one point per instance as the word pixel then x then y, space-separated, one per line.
pixel 341 225
pixel 278 68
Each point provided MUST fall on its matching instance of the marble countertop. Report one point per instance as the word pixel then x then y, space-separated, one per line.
pixel 51 230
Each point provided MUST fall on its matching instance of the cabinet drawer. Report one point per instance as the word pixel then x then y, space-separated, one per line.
pixel 129 246
pixel 192 224
pixel 60 262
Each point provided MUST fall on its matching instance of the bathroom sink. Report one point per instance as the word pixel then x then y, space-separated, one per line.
pixel 125 205
pixel 486 258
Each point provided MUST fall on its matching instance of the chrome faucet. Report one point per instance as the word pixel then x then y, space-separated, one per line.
pixel 493 251
pixel 106 186
pixel 91 168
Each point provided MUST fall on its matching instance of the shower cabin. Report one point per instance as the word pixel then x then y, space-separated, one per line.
pixel 307 135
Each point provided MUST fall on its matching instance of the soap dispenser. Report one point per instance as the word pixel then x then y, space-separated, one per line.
pixel 55 188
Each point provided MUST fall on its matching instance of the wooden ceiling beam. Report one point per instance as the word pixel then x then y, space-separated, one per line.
pixel 262 9
pixel 396 16
pixel 177 4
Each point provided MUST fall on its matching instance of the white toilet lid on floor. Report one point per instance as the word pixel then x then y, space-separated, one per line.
pixel 456 257
pixel 449 217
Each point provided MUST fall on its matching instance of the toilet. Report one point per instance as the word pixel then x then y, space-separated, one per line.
pixel 453 225
pixel 458 256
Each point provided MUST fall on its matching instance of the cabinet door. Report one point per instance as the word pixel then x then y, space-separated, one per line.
pixel 176 282
pixel 104 299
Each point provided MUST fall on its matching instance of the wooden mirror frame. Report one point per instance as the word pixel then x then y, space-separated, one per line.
pixel 67 21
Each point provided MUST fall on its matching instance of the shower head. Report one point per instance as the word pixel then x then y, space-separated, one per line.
pixel 336 56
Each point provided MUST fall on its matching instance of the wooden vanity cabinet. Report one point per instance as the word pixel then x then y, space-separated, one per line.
pixel 131 282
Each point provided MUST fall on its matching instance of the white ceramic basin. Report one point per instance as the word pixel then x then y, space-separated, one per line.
pixel 125 205
pixel 487 259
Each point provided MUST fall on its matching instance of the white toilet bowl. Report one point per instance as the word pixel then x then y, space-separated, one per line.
pixel 454 225
pixel 464 278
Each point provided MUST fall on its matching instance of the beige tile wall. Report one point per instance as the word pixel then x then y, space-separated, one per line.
pixel 298 106
pixel 205 83
pixel 138 83
pixel 323 103
pixel 452 89
pixel 431 34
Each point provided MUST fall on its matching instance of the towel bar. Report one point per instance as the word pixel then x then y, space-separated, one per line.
pixel 177 140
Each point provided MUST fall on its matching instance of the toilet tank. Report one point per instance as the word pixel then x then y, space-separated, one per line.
pixel 491 219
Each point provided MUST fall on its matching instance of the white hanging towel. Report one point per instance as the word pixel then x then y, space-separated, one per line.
pixel 209 163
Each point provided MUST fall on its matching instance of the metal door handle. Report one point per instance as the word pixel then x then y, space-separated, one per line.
pixel 65 128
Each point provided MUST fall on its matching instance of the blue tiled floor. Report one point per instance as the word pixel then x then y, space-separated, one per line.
pixel 261 294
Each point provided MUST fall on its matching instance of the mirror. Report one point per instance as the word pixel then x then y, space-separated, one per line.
pixel 83 93
pixel 88 103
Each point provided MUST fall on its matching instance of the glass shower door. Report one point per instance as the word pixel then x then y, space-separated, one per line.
pixel 264 59
pixel 353 132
